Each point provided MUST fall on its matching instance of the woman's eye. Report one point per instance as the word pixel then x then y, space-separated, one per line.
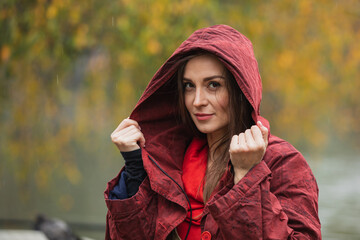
pixel 188 85
pixel 214 84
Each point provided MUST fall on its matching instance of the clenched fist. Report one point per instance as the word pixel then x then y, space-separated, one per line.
pixel 247 149
pixel 128 136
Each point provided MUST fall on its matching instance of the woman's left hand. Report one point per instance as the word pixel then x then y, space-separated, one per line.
pixel 247 149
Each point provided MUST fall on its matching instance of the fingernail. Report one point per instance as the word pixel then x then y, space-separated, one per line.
pixel 260 123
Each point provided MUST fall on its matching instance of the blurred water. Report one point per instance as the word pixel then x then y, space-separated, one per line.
pixel 339 200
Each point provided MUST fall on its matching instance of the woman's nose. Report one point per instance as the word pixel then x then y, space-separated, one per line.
pixel 200 98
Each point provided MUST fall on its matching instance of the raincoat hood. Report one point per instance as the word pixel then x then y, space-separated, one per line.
pixel 277 199
pixel 157 111
pixel 231 47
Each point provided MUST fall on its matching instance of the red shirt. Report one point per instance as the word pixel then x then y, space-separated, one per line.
pixel 193 177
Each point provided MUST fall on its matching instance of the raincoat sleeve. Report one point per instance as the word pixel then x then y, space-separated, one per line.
pixel 129 212
pixel 277 202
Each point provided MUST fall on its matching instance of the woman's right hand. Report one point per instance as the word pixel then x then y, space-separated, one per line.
pixel 128 136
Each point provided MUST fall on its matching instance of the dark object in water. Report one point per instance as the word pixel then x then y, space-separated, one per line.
pixel 54 229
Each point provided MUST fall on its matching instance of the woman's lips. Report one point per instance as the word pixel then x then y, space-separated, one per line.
pixel 203 116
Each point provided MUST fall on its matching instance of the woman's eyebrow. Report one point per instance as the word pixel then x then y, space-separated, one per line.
pixel 212 77
pixel 207 78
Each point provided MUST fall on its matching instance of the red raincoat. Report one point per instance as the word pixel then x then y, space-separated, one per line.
pixel 277 199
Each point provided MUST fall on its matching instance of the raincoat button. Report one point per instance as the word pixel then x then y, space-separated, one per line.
pixel 205 236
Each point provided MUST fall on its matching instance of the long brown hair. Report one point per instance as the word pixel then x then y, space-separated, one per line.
pixel 240 120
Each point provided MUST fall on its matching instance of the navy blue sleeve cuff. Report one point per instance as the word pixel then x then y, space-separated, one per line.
pixel 119 191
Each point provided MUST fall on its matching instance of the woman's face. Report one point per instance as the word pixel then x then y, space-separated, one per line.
pixel 206 96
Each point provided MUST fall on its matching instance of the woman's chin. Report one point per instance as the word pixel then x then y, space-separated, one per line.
pixel 207 130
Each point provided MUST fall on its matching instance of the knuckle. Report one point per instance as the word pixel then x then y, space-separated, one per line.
pixel 235 149
pixel 121 142
pixel 115 140
pixel 242 148
pixel 258 148
pixel 113 137
pixel 134 127
pixel 239 148
pixel 252 148
pixel 124 123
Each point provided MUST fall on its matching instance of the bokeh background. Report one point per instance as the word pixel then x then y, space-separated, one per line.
pixel 71 70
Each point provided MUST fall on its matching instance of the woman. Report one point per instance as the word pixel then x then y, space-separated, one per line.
pixel 199 159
